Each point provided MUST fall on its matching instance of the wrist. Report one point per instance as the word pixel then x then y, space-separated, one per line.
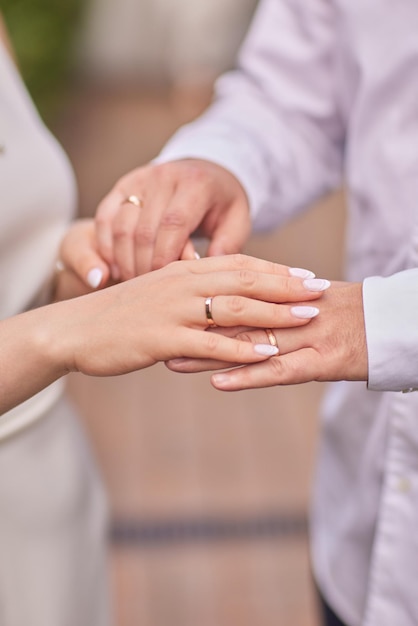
pixel 50 341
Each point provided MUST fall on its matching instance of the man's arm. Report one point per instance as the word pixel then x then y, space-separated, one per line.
pixel 273 129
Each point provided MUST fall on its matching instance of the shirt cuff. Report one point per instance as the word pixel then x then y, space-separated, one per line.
pixel 391 320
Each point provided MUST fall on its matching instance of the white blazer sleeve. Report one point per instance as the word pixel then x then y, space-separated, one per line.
pixel 274 122
pixel 391 318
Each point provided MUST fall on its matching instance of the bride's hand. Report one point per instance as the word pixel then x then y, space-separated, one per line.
pixel 156 317
pixel 80 268
pixel 162 315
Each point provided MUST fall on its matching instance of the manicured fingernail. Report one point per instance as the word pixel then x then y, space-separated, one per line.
pixel 220 380
pixel 316 284
pixel 299 272
pixel 265 349
pixel 94 277
pixel 196 255
pixel 304 312
pixel 179 361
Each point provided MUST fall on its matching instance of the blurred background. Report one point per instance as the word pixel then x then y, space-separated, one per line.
pixel 209 493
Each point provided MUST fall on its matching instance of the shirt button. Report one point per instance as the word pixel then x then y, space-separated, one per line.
pixel 404 485
pixel 2 148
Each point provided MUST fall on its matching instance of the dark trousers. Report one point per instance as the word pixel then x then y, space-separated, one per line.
pixel 328 616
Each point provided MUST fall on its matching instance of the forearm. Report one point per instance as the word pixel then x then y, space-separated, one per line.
pixel 155 317
pixel 274 123
pixel 30 356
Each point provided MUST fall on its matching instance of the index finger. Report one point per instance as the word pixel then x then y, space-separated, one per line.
pixel 181 217
pixel 245 262
pixel 106 212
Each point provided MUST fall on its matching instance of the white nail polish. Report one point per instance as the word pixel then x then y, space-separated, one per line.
pixel 304 312
pixel 265 349
pixel 94 277
pixel 299 272
pixel 316 284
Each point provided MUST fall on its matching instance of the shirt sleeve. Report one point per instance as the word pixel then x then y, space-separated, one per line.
pixel 274 122
pixel 391 320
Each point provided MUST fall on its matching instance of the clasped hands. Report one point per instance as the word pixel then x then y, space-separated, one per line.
pixel 330 347
pixel 130 238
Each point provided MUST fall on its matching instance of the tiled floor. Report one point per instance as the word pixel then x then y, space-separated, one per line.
pixel 172 449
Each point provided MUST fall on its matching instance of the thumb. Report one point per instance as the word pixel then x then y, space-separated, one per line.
pixel 79 254
pixel 232 232
pixel 91 269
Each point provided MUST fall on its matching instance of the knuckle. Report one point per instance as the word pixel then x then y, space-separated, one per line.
pixel 144 236
pixel 121 231
pixel 101 219
pixel 240 261
pixel 277 367
pixel 287 288
pixel 289 285
pixel 212 343
pixel 246 336
pixel 195 173
pixel 236 305
pixel 161 171
pixel 174 219
pixel 241 351
pixel 247 278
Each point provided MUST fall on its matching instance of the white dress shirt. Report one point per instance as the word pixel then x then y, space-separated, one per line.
pixel 326 91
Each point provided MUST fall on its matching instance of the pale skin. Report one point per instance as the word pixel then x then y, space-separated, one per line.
pixel 331 348
pixel 178 198
pixel 155 317
pixel 181 196
pixel 132 325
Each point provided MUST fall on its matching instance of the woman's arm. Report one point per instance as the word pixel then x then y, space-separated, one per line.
pixel 156 317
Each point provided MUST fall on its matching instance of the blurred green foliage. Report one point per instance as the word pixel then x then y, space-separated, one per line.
pixel 42 33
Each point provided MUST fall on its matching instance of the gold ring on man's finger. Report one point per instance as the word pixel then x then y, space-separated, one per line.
pixel 135 200
pixel 271 337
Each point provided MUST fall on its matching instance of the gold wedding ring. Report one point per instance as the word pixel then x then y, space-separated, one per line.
pixel 208 312
pixel 135 201
pixel 271 337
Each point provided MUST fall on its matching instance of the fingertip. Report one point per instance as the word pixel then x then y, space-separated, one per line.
pixel 221 381
pixel 316 285
pixel 304 313
pixel 94 277
pixel 266 350
pixel 300 272
pixel 177 365
pixel 189 252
